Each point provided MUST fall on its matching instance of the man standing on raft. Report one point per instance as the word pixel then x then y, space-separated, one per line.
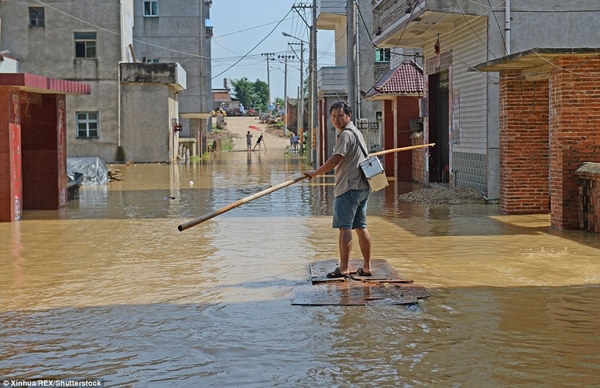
pixel 351 190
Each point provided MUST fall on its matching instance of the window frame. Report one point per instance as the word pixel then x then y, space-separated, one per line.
pixel 37 17
pixel 383 55
pixel 150 8
pixel 87 121
pixel 83 41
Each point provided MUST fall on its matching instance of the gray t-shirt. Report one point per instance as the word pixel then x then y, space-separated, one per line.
pixel 348 175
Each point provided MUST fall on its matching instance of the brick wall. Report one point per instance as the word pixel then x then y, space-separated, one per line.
pixel 589 197
pixel 524 159
pixel 575 132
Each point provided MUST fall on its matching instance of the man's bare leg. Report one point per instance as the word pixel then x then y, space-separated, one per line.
pixel 364 242
pixel 345 245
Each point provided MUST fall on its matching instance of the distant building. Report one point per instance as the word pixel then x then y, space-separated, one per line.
pixel 222 100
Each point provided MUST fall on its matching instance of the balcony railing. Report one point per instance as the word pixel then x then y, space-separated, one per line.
pixel 387 12
pixel 332 80
pixel 331 6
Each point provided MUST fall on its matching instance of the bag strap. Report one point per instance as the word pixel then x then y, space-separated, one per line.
pixel 359 144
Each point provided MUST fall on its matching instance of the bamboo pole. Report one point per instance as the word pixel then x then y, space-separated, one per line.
pixel 237 203
pixel 401 149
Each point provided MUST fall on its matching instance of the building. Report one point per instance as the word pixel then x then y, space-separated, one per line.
pixel 400 90
pixel 461 113
pixel 33 172
pixel 333 81
pixel 89 41
pixel 549 134
pixel 82 43
pixel 180 31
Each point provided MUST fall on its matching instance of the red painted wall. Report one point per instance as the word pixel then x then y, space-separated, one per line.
pixel 42 182
pixel 11 197
pixel 407 108
pixel 388 137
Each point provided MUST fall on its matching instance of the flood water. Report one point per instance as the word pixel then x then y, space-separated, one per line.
pixel 109 288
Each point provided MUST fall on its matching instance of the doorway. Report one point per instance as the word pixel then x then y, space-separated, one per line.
pixel 439 121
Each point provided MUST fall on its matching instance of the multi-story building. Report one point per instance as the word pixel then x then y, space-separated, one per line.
pixel 461 106
pixel 180 31
pixel 95 42
pixel 333 81
pixel 81 41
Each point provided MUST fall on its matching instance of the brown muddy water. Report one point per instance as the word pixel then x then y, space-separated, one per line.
pixel 109 288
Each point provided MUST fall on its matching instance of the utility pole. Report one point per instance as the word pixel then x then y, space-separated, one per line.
pixel 270 57
pixel 351 35
pixel 285 96
pixel 313 88
pixel 301 96
pixel 312 79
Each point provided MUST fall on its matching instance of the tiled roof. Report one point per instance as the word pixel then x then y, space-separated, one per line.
pixel 405 79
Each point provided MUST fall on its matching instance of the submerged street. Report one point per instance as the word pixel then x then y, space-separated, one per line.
pixel 108 288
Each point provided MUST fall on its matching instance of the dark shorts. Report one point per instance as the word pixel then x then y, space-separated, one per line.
pixel 350 210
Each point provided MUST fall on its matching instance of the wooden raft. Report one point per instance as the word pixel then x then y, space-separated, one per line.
pixel 385 287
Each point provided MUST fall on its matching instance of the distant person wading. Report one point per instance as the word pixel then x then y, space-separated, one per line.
pixel 248 141
pixel 258 143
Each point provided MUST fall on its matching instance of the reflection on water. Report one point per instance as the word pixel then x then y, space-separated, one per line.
pixel 109 288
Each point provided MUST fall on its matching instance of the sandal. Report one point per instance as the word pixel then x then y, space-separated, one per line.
pixel 360 272
pixel 336 274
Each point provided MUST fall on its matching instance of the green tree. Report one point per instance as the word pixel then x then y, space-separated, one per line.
pixel 244 91
pixel 254 95
pixel 261 90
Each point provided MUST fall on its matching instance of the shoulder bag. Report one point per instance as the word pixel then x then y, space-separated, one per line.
pixel 372 169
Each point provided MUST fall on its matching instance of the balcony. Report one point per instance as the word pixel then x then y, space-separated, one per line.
pixel 160 73
pixel 330 14
pixel 332 80
pixel 411 23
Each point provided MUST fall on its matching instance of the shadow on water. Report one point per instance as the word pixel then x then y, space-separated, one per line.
pixel 109 288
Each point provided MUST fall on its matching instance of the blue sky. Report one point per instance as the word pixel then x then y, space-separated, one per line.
pixel 240 25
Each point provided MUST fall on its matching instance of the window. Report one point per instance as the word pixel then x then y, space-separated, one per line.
pixel 383 55
pixel 87 125
pixel 36 16
pixel 151 8
pixel 151 60
pixel 85 44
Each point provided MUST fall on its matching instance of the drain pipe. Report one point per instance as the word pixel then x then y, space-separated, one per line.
pixel 119 104
pixel 507 27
